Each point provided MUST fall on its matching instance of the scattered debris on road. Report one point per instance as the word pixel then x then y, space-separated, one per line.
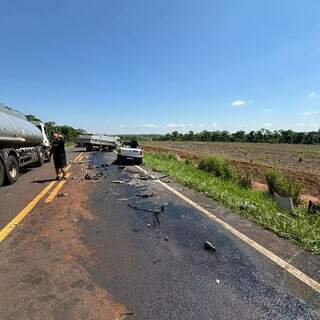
pixel 62 195
pixel 119 181
pixel 144 195
pixel 135 207
pixel 87 176
pixel 156 218
pixel 127 314
pixel 209 246
pixel 157 261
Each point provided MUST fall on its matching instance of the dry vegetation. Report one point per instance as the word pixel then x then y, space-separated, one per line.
pixel 301 162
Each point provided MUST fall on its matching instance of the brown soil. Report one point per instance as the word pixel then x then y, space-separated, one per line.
pixel 310 181
pixel 43 270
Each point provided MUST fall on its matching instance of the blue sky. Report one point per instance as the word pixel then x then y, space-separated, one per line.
pixel 134 66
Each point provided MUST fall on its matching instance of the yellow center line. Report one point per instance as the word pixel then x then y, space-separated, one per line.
pixel 80 158
pixel 13 223
pixel 61 183
pixel 76 159
pixel 24 212
pixel 56 189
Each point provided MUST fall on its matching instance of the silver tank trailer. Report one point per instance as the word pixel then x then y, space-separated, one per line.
pixel 16 130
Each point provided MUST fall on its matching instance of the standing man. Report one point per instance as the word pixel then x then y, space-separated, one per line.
pixel 59 155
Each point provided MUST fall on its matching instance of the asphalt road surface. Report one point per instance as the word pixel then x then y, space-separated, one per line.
pixel 122 246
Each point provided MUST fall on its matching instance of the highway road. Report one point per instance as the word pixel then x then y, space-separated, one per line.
pixel 123 246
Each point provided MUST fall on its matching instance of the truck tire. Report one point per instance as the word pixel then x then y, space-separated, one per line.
pixel 89 148
pixel 1 173
pixel 12 170
pixel 41 158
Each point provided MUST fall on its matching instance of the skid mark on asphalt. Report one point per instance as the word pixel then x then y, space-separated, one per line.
pixel 267 253
pixel 30 206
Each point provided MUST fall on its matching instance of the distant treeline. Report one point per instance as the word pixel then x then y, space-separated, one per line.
pixel 68 132
pixel 262 136
pixel 141 137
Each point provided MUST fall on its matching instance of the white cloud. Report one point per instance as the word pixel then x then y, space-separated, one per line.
pixel 313 125
pixel 250 101
pixel 191 125
pixel 310 113
pixel 313 94
pixel 267 110
pixel 176 125
pixel 150 125
pixel 215 125
pixel 122 126
pixel 238 103
pixel 267 124
pixel 201 125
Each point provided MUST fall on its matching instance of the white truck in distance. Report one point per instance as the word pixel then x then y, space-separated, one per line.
pixel 22 143
pixel 97 141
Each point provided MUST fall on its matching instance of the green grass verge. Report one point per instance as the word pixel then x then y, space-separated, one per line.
pixel 257 206
pixel 69 144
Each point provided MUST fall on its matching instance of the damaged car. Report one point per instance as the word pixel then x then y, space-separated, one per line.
pixel 130 152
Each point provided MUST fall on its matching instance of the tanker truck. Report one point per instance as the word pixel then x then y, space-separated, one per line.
pixel 22 143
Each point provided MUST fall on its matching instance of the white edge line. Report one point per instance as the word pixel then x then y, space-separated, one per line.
pixel 267 253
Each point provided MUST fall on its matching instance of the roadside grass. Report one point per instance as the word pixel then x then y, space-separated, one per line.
pixel 69 143
pixel 257 206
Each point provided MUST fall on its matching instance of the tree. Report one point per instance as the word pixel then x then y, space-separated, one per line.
pixel 31 117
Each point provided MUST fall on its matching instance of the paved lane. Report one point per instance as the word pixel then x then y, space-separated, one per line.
pixel 162 272
pixel 13 198
pixel 101 253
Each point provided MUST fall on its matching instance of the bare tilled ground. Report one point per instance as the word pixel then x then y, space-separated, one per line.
pixel 301 162
pixel 44 264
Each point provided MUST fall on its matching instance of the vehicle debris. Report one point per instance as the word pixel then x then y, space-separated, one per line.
pixel 135 207
pixel 119 181
pixel 157 261
pixel 156 218
pixel 87 176
pixel 62 195
pixel 90 166
pixel 127 314
pixel 209 246
pixel 284 203
pixel 144 195
pixel 313 207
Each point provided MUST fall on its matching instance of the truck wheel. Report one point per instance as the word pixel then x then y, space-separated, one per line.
pixel 12 170
pixel 41 158
pixel 1 173
pixel 89 148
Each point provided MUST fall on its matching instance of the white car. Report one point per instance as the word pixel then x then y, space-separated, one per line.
pixel 130 152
